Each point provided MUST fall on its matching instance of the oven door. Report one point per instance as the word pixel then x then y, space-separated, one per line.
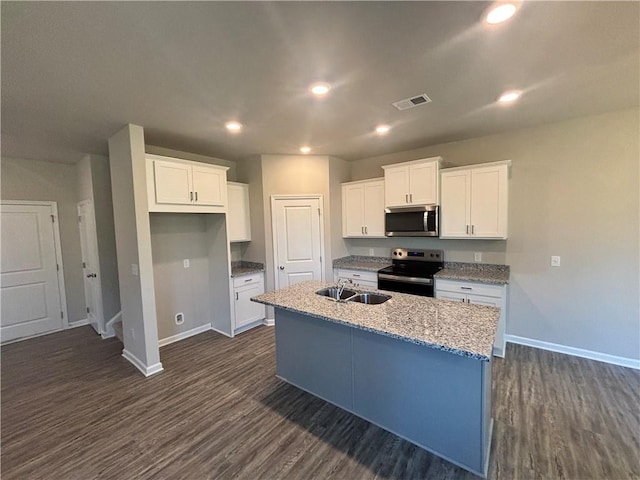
pixel 412 285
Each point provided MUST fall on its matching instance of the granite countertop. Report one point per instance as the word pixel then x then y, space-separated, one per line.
pixel 460 328
pixel 475 272
pixel 245 268
pixel 361 262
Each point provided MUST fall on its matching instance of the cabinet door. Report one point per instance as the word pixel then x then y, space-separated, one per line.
pixel 455 204
pixel 246 310
pixel 374 209
pixel 173 182
pixel 239 221
pixel 209 185
pixel 489 202
pixel 486 301
pixel 353 210
pixel 423 183
pixel 396 186
pixel 451 296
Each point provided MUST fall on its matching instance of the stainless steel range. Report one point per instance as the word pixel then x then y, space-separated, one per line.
pixel 412 271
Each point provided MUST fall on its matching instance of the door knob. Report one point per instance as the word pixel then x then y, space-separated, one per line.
pixel 92 275
pixel 281 267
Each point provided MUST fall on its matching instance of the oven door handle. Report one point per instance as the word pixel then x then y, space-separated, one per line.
pixel 423 281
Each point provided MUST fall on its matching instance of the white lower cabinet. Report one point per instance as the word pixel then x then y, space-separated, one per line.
pixel 478 294
pixel 246 311
pixel 359 278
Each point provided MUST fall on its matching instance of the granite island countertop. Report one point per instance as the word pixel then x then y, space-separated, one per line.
pixel 475 272
pixel 361 262
pixel 460 328
pixel 245 268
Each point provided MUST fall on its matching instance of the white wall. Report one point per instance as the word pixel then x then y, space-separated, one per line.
pixel 174 238
pixel 133 242
pixel 47 181
pixel 574 192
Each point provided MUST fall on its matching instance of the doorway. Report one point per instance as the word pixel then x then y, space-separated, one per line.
pixel 33 300
pixel 298 239
pixel 91 265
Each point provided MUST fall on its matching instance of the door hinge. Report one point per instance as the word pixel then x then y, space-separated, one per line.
pixel 84 265
pixel 57 267
pixel 318 211
pixel 79 219
pixel 53 219
pixel 61 314
pixel 320 258
pixel 87 309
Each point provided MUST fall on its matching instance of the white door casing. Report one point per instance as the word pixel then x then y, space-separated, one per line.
pixel 298 245
pixel 91 265
pixel 32 294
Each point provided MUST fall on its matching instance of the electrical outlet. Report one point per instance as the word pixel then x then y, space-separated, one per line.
pixel 555 261
pixel 185 262
pixel 477 256
pixel 179 318
pixel 371 252
pixel 134 269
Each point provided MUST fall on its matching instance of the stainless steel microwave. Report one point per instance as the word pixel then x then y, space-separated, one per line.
pixel 414 221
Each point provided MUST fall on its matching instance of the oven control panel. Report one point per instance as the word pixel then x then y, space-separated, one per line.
pixel 417 255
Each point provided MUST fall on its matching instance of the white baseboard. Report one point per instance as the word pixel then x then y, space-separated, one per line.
pixel 109 331
pixel 221 332
pixel 78 323
pixel 269 322
pixel 576 352
pixel 147 371
pixel 183 335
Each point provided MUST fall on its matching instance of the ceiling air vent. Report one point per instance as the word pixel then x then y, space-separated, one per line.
pixel 412 102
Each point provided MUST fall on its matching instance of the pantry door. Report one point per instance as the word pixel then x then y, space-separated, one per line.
pixel 30 271
pixel 297 239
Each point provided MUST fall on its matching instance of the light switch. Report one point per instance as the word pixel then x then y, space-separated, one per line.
pixel 555 261
pixel 185 262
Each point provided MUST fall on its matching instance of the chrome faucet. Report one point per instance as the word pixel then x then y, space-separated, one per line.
pixel 341 284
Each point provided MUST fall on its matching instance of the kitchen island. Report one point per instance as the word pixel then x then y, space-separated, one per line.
pixel 415 366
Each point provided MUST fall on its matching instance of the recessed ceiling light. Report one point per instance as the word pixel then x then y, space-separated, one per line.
pixel 510 96
pixel 320 89
pixel 500 12
pixel 233 126
pixel 382 129
pixel 305 149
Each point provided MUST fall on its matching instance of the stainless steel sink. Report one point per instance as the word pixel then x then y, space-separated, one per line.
pixel 332 292
pixel 370 298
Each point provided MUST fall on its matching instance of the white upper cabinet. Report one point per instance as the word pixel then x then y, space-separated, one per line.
pixel 176 185
pixel 363 208
pixel 412 183
pixel 239 220
pixel 474 201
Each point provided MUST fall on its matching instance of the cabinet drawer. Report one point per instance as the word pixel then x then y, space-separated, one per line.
pixel 469 288
pixel 356 275
pixel 247 279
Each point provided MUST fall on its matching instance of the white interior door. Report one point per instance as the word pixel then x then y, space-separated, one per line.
pixel 30 294
pixel 90 265
pixel 297 237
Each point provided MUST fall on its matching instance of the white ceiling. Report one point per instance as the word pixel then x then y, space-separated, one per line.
pixel 74 73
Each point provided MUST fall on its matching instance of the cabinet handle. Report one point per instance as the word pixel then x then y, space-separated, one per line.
pixel 248 280
pixel 362 230
pixel 191 196
pixel 196 196
pixel 466 288
pixel 473 228
pixel 406 198
pixel 355 275
pixel 411 198
pixel 236 295
pixel 366 231
pixel 467 229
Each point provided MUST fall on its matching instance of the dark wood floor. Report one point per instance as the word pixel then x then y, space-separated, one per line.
pixel 73 408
